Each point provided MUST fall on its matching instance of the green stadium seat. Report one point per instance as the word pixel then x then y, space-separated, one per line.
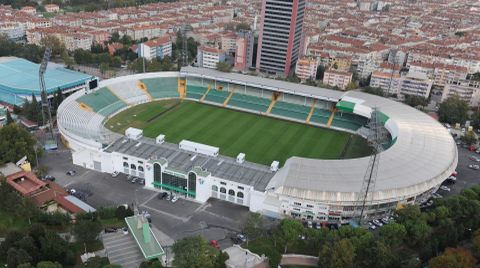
pixel 249 102
pixel 162 87
pixel 102 100
pixel 320 116
pixel 291 110
pixel 217 96
pixel 348 121
pixel 196 92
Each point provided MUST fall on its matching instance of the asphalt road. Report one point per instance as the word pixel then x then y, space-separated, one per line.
pixel 214 220
pixel 466 177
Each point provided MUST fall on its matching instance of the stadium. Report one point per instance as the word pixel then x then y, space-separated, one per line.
pixel 278 148
pixel 19 79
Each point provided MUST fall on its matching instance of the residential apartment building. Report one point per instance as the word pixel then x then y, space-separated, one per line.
pixel 306 68
pixel 417 84
pixel 208 57
pixel 244 51
pixel 281 35
pixel 467 90
pixel 336 78
pixel 155 48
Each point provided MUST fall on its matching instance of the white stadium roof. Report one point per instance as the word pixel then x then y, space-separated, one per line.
pixel 422 156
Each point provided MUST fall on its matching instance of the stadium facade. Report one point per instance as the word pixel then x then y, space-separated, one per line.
pixel 19 79
pixel 419 156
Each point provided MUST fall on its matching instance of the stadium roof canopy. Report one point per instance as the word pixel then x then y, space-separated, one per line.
pixel 19 78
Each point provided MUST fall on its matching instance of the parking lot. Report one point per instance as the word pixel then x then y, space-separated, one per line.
pixel 214 220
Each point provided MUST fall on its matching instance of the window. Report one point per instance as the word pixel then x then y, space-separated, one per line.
pixel 140 162
pixel 125 164
pixel 309 206
pixel 240 195
pixel 215 188
pixel 157 172
pixel 223 183
pixel 125 158
pixel 132 166
pixel 240 187
pixel 297 204
pixel 231 192
pixel 192 182
pixel 223 190
pixel 140 168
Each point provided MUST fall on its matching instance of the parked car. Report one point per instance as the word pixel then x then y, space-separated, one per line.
pixel 317 225
pixel 48 178
pixel 235 240
pixel 71 173
pixel 385 220
pixel 115 174
pixel 174 199
pixel 141 181
pixel 452 178
pixel 445 188
pixel 437 196
pixel 134 180
pixel 125 230
pixel 110 230
pixel 476 167
pixel 309 224
pixel 377 223
pixel 162 196
pixel 372 226
pixel 474 158
pixel 242 237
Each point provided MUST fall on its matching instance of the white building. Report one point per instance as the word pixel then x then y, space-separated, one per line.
pixel 336 78
pixel 155 48
pixel 413 83
pixel 306 68
pixel 208 57
pixel 467 90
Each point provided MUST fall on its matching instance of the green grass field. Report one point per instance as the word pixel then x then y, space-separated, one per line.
pixel 262 139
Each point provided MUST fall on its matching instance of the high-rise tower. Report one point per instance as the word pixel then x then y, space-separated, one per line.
pixel 281 35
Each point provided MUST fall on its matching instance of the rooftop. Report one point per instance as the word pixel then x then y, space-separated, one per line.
pixel 25 182
pixel 223 167
pixel 20 76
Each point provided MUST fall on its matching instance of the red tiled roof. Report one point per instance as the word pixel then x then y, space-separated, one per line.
pixel 25 182
pixel 67 205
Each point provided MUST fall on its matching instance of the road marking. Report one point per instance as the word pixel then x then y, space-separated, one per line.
pixel 150 198
pixel 168 214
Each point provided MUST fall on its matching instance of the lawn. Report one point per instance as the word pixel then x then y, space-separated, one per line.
pixel 263 139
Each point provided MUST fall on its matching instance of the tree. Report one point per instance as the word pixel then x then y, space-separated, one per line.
pixel 9 118
pixel 393 234
pixel 453 258
pixel 48 264
pixel 469 138
pixel 58 47
pixel 194 251
pixel 53 247
pixel 351 86
pixel 476 243
pixel 242 27
pixel 341 255
pixel 87 231
pixel 374 91
pixel 16 256
pixel 224 67
pixel 103 67
pixel 453 110
pixel 16 142
pixel 253 226
pixel 121 212
pixel 289 232
pixel 415 101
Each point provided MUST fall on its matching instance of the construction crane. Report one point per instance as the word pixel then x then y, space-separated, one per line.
pixel 50 139
pixel 376 138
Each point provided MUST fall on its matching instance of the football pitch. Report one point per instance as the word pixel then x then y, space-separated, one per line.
pixel 263 139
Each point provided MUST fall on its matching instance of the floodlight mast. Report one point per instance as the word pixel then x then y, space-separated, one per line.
pixel 46 109
pixel 376 138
